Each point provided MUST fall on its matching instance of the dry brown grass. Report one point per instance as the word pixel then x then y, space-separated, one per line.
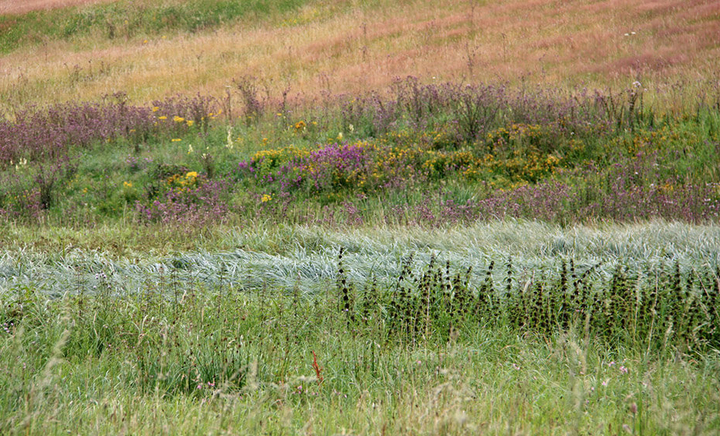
pixel 552 42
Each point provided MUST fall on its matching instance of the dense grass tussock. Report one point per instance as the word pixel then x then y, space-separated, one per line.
pixel 655 308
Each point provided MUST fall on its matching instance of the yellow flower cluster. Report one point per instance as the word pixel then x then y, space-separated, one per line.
pixel 515 133
pixel 274 157
pixel 183 181
pixel 650 141
pixel 439 162
pixel 177 119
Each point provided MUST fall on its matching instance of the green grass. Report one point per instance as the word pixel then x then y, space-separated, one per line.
pixel 117 340
pixel 127 19
pixel 110 328
pixel 111 323
pixel 218 360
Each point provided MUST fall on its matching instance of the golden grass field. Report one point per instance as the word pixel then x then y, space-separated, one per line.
pixel 344 46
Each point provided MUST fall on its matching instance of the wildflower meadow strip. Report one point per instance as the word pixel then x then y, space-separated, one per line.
pixel 441 154
pixel 627 190
pixel 48 133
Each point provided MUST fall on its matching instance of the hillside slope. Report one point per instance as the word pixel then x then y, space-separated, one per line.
pixel 347 46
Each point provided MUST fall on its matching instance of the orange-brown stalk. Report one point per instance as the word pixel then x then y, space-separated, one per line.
pixel 317 368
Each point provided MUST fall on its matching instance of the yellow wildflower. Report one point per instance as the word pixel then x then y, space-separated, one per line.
pixel 162 118
pixel 265 198
pixel 127 184
pixel 178 119
pixel 176 140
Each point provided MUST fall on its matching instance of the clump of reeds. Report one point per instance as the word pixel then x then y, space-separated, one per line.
pixel 627 308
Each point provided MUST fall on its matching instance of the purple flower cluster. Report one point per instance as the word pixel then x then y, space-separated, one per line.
pixel 47 134
pixel 554 201
pixel 362 167
pixel 332 168
pixel 200 205
pixel 41 134
pixel 328 169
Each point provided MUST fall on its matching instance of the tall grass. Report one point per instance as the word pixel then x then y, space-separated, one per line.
pixel 314 48
pixel 198 357
pixel 57 260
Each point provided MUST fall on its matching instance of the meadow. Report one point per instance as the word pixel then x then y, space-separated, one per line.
pixel 301 217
